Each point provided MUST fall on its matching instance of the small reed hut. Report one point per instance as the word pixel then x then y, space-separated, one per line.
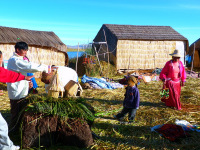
pixel 44 47
pixel 132 47
pixel 194 52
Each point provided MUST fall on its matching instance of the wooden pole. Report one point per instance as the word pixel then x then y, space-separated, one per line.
pixel 107 52
pixel 184 59
pixel 77 58
pixel 193 57
pixel 129 62
pixel 154 60
pixel 98 60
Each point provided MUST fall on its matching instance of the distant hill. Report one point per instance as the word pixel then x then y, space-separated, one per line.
pixel 83 46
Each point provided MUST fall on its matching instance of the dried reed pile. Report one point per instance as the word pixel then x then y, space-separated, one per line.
pixel 152 111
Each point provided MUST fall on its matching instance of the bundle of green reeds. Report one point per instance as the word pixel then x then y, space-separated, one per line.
pixel 62 107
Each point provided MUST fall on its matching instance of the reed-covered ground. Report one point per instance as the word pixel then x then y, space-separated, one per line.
pixel 114 135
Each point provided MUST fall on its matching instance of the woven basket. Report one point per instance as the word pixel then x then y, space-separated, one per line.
pixel 71 88
pixel 54 94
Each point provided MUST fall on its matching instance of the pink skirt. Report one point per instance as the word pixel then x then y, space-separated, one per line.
pixel 174 94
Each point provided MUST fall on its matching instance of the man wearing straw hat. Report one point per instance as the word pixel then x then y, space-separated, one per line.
pixel 173 76
pixel 19 90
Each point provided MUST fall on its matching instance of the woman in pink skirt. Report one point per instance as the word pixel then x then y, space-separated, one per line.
pixel 173 76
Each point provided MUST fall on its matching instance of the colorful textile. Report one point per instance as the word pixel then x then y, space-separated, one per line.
pixel 174 94
pixel 116 85
pixel 187 126
pixel 103 84
pixel 172 132
pixel 96 83
pixel 155 78
pixel 192 74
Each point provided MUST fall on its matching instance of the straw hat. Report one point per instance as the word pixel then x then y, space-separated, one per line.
pixel 176 53
pixel 135 74
pixel 133 79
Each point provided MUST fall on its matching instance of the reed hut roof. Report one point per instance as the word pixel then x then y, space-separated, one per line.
pixel 197 47
pixel 136 32
pixel 32 38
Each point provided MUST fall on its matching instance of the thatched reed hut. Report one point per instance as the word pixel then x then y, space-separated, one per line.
pixel 194 52
pixel 44 47
pixel 133 47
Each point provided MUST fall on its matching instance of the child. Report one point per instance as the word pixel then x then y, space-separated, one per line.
pixel 131 101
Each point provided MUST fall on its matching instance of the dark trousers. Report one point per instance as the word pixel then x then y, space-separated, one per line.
pixel 16 113
pixel 130 111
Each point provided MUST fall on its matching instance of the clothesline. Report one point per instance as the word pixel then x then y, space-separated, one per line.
pixel 102 53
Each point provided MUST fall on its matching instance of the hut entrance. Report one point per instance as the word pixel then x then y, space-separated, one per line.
pixel 196 58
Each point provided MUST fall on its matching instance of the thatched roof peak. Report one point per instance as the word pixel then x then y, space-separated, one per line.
pixel 139 32
pixel 10 35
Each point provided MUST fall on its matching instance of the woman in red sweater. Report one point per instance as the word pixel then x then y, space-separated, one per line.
pixel 8 76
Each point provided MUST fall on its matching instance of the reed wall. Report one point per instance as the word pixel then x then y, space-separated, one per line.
pixel 132 54
pixel 37 55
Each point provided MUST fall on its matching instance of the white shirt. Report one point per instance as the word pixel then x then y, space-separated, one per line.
pixel 16 63
pixel 65 74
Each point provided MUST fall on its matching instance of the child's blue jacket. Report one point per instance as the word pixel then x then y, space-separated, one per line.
pixel 132 97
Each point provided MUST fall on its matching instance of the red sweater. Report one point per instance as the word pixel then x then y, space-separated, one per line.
pixel 10 76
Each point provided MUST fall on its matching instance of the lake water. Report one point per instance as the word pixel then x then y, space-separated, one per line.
pixel 74 54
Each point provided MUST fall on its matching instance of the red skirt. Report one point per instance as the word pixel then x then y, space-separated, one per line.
pixel 174 94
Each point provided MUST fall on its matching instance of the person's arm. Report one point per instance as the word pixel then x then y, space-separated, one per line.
pixel 11 76
pixel 137 98
pixel 164 72
pixel 19 65
pixel 183 75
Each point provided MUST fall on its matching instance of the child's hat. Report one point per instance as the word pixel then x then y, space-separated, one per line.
pixel 133 79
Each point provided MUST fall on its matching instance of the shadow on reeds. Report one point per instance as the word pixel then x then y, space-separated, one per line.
pixel 116 102
pixel 161 105
pixel 6 115
pixel 3 86
pixel 113 102
pixel 142 137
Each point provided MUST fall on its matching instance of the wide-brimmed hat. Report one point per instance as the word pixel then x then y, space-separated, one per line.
pixel 176 53
pixel 133 79
pixel 135 74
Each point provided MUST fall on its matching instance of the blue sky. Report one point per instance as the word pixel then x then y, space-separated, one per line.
pixel 78 21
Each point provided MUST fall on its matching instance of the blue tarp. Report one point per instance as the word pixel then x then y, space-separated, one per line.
pixel 99 82
pixel 188 58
